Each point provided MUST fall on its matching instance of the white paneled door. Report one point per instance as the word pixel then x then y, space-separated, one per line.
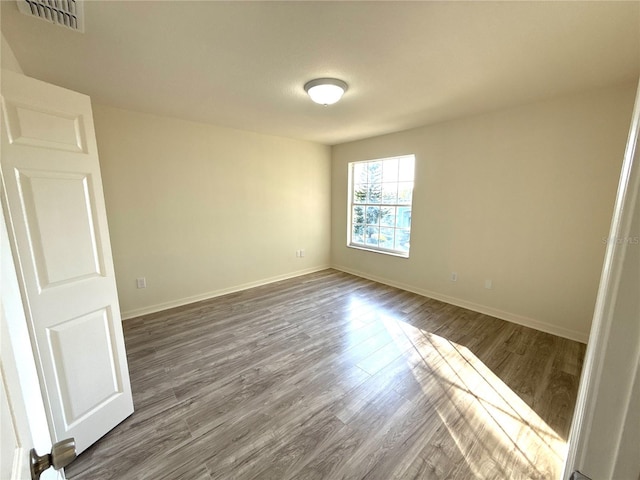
pixel 58 228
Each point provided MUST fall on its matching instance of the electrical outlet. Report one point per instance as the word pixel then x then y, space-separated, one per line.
pixel 488 284
pixel 454 276
pixel 302 253
pixel 141 282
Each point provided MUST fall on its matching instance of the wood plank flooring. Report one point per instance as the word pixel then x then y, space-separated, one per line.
pixel 331 376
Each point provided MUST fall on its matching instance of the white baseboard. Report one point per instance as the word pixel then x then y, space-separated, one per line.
pixel 126 315
pixel 510 317
pixel 494 312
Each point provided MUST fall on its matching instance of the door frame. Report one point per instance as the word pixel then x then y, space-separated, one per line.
pixel 22 378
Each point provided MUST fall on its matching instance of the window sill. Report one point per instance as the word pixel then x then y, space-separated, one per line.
pixel 383 252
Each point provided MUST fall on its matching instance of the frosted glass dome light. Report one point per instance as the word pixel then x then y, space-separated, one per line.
pixel 325 91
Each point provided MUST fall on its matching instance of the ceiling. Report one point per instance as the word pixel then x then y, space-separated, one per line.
pixel 243 64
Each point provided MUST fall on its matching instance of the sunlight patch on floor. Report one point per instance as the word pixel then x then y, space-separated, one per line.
pixel 503 424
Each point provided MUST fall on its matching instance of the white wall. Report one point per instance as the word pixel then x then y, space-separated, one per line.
pixel 201 210
pixel 522 197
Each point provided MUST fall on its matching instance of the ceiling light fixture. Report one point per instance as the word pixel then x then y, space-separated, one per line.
pixel 325 91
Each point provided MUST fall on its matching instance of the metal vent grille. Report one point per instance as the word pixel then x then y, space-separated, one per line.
pixel 68 13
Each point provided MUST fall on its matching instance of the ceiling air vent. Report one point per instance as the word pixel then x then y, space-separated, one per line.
pixel 67 13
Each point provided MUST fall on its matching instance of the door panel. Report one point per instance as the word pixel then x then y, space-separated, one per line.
pixel 54 203
pixel 54 196
pixel 71 343
pixel 35 126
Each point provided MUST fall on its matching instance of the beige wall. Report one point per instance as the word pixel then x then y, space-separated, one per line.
pixel 605 434
pixel 522 197
pixel 9 60
pixel 201 210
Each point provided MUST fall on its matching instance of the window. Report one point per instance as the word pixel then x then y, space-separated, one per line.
pixel 380 194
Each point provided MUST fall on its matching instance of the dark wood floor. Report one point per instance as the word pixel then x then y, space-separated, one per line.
pixel 330 376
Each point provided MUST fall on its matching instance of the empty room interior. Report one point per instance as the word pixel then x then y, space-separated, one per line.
pixel 398 282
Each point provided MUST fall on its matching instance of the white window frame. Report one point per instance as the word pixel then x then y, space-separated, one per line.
pixel 381 198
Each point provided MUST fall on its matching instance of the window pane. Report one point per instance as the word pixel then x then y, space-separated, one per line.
pixel 359 173
pixel 385 212
pixel 389 193
pixel 375 172
pixel 405 191
pixel 358 224
pixel 390 170
pixel 406 169
pixel 402 240
pixel 386 237
pixel 374 193
pixel 403 218
pixel 388 217
pixel 357 234
pixel 360 193
pixel 372 215
pixel 372 236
